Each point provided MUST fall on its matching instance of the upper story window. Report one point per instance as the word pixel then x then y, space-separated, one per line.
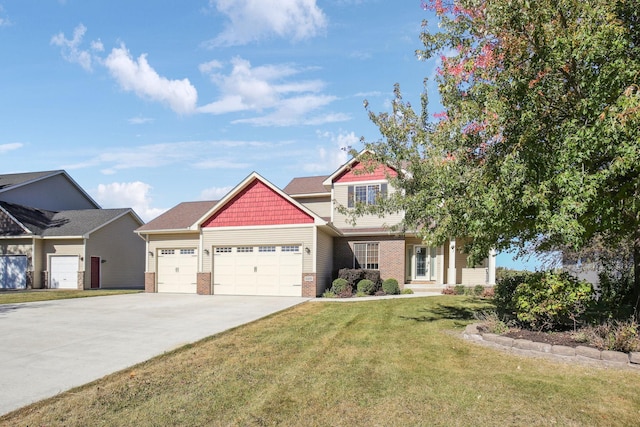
pixel 367 194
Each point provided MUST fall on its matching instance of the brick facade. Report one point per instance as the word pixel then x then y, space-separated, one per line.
pixel 150 282
pixel 309 287
pixel 391 255
pixel 203 284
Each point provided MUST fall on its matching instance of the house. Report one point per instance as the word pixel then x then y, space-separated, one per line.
pixel 54 235
pixel 263 240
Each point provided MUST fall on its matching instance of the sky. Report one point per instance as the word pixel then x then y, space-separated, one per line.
pixel 147 104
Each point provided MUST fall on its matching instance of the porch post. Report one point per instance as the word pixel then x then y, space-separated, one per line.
pixel 492 267
pixel 440 263
pixel 451 273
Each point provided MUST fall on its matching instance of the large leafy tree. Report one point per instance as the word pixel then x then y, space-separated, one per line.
pixel 539 138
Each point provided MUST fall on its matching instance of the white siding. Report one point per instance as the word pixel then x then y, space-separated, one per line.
pixel 321 206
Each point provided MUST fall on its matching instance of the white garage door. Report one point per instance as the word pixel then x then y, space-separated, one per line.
pixel 64 272
pixel 258 270
pixel 177 270
pixel 13 271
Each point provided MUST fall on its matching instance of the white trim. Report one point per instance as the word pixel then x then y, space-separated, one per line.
pixel 260 227
pixel 310 195
pixel 314 251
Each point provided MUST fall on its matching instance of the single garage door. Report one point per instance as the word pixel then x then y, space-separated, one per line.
pixel 177 270
pixel 13 271
pixel 258 270
pixel 64 272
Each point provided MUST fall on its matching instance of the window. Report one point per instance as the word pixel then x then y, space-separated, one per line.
pixel 290 248
pixel 266 249
pixel 365 255
pixel 187 251
pixel 244 249
pixel 223 250
pixel 365 194
pixel 167 252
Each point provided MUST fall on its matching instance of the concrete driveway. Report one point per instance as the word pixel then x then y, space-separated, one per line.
pixel 49 347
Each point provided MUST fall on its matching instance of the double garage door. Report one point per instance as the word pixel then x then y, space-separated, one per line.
pixel 237 270
pixel 257 270
pixel 13 271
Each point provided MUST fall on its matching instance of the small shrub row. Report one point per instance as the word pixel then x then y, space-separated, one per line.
pixel 478 290
pixel 343 288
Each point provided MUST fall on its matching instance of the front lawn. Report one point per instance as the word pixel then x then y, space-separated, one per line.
pixel 378 363
pixel 13 297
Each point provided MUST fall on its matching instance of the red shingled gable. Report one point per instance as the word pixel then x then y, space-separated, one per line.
pixel 355 173
pixel 257 204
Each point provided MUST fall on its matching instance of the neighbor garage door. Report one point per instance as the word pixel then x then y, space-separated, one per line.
pixel 257 270
pixel 177 270
pixel 64 272
pixel 13 271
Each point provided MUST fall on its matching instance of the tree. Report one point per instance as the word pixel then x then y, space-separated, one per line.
pixel 539 140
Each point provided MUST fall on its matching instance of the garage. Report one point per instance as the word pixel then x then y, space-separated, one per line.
pixel 64 272
pixel 257 270
pixel 177 270
pixel 13 271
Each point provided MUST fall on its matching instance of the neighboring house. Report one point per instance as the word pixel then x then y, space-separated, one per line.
pixel 54 235
pixel 263 240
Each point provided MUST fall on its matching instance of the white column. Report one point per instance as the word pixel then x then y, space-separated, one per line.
pixel 440 264
pixel 492 267
pixel 451 273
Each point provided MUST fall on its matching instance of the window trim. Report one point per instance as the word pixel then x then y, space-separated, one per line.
pixel 367 255
pixel 379 190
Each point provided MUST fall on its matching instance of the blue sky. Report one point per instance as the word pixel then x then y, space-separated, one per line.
pixel 150 103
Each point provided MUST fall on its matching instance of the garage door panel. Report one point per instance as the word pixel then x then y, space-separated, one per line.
pixel 177 270
pixel 13 272
pixel 64 272
pixel 258 270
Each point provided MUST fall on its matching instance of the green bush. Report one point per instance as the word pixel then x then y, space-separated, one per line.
pixel 406 291
pixel 366 286
pixel 458 289
pixel 351 275
pixel 339 286
pixel 546 301
pixel 390 287
pixel 478 290
pixel 503 293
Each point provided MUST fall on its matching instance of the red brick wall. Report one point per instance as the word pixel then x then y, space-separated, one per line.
pixel 391 256
pixel 150 282
pixel 309 288
pixel 257 204
pixel 203 284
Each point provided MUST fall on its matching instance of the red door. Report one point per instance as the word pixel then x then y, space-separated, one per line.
pixel 95 272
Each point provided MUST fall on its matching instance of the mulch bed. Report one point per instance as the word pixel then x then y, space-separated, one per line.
pixel 553 338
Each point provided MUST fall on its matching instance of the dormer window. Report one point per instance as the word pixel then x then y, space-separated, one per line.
pixel 367 194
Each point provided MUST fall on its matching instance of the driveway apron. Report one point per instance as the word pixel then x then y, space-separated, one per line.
pixel 51 346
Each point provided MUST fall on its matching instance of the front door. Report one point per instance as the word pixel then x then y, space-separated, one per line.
pixel 424 263
pixel 95 272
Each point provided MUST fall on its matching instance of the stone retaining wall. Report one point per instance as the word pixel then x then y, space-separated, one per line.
pixel 579 353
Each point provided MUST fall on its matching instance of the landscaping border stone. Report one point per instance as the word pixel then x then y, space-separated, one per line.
pixel 579 353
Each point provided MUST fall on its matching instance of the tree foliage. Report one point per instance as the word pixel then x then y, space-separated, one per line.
pixel 539 138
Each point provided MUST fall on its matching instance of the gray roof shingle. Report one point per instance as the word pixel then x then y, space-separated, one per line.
pixel 306 185
pixel 180 217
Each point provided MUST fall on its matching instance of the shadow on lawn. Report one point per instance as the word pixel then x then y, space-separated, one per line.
pixel 440 312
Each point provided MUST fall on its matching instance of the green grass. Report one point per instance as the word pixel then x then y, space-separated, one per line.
pixel 394 362
pixel 13 297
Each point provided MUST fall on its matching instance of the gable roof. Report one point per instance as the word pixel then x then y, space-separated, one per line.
pixel 351 164
pixel 179 218
pixel 248 180
pixel 72 223
pixel 14 180
pixel 307 186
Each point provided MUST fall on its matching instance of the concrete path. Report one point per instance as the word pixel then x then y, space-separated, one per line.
pixel 49 347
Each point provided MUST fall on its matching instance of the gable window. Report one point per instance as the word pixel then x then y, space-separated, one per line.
pixel 365 194
pixel 366 255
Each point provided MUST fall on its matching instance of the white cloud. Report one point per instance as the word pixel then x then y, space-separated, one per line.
pixel 221 164
pixel 4 21
pixel 214 193
pixel 70 48
pixel 267 87
pixel 130 195
pixel 255 20
pixel 140 120
pixel 329 159
pixel 144 81
pixel 5 148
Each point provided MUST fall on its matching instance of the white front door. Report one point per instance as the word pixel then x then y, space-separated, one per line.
pixel 424 263
pixel 64 272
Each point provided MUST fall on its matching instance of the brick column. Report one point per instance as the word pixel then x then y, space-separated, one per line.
pixel 45 280
pixel 150 282
pixel 204 284
pixel 80 280
pixel 309 285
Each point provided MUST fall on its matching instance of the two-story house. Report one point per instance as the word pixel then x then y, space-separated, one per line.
pixel 54 235
pixel 263 240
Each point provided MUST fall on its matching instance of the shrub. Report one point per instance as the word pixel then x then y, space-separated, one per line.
pixel 366 286
pixel 547 300
pixel 448 291
pixel 339 286
pixel 503 293
pixel 351 275
pixel 491 322
pixel 390 287
pixel 458 289
pixel 615 336
pixel 488 293
pixel 329 294
pixel 478 290
pixel 374 276
pixel 406 291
